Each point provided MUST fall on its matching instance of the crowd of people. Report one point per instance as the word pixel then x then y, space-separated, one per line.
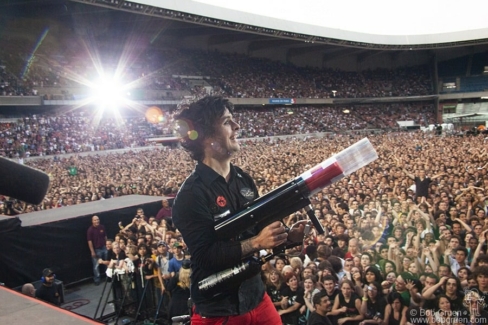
pixel 406 231
pixel 245 77
pixel 78 179
pixel 404 235
pixel 231 75
pixel 53 134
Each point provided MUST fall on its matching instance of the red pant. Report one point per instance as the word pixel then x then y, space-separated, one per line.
pixel 264 314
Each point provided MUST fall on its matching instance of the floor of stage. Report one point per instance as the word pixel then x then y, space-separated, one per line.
pixel 90 304
pixel 84 299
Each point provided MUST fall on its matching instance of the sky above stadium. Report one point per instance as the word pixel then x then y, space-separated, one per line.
pixel 375 21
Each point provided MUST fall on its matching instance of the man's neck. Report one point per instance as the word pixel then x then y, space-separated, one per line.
pixel 324 314
pixel 221 167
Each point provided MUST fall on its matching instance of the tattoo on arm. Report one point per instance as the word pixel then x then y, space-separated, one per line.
pixel 247 248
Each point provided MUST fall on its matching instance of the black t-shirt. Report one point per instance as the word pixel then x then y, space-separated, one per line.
pixel 274 293
pixel 422 186
pixel 376 309
pixel 316 319
pixel 457 304
pixel 333 295
pixel 49 294
pixel 293 296
pixel 351 305
pixel 429 304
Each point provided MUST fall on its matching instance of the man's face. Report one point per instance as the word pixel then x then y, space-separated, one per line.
pixel 353 246
pixel 49 278
pixel 443 271
pixel 400 283
pixel 453 243
pixel 329 285
pixel 95 221
pixel 460 256
pixel 324 305
pixel 443 206
pixel 429 282
pixel 473 243
pixel 456 228
pixel 477 229
pixel 451 286
pixel 224 140
pixel 384 253
pixel 165 203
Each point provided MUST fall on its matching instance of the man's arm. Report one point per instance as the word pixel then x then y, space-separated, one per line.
pixel 480 245
pixel 448 257
pixel 195 221
pixel 92 250
pixel 438 175
pixel 464 224
pixel 90 244
pixel 429 293
pixel 412 176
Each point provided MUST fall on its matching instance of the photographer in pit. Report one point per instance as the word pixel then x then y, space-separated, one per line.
pixel 11 207
pixel 138 225
pixel 144 266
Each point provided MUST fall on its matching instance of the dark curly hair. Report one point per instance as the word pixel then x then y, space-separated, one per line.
pixel 197 122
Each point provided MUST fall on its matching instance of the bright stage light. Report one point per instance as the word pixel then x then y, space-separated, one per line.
pixel 108 93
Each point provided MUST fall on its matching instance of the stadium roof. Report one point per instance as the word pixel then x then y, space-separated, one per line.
pixel 380 22
pixel 228 26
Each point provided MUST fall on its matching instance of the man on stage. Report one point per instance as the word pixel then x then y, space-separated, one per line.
pixel 215 189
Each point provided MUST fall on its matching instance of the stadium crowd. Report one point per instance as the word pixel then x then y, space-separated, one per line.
pixel 51 134
pixel 231 75
pixel 405 232
pixel 396 246
pixel 405 238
